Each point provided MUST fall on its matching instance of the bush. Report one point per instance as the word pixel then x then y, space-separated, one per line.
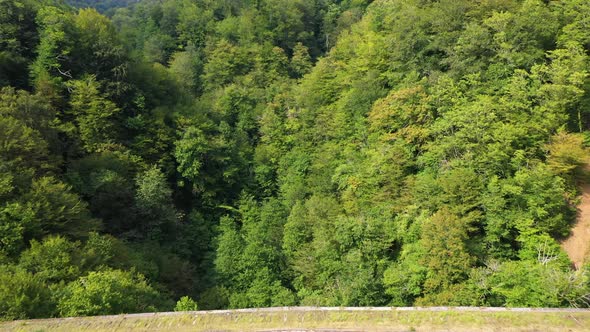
pixel 23 295
pixel 186 304
pixel 108 292
pixel 52 260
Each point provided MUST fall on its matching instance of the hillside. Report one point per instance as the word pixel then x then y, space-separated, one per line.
pixel 207 154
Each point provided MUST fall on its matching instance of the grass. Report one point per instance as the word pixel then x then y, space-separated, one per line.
pixel 326 319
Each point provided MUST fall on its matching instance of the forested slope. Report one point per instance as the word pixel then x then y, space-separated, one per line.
pixel 101 5
pixel 278 152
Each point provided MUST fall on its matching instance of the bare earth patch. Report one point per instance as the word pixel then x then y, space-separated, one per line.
pixel 577 245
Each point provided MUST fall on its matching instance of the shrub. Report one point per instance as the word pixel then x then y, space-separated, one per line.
pixel 186 304
pixel 108 292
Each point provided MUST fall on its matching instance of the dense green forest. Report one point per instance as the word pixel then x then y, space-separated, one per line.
pixel 101 5
pixel 230 154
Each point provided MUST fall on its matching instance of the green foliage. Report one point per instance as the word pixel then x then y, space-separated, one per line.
pixel 93 114
pixel 98 41
pixel 279 152
pixel 187 67
pixel 186 304
pixel 102 250
pixel 22 147
pixel 154 204
pixel 446 258
pixel 404 280
pixel 190 151
pixel 15 220
pixel 53 260
pixel 566 153
pixel 54 46
pixel 105 180
pixel 253 247
pixel 520 289
pixel 301 61
pixel 108 292
pixel 58 210
pixel 23 295
pixel 19 37
pixel 225 62
pixel 101 5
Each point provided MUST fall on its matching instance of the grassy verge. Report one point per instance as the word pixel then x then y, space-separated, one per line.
pixel 345 319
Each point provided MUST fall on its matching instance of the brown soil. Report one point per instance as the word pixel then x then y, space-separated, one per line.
pixel 577 245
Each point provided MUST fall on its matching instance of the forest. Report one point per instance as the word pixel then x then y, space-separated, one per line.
pixel 211 154
pixel 101 5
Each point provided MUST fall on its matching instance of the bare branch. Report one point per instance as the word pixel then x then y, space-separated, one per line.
pixel 66 73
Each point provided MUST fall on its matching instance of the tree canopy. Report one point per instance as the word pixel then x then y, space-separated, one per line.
pixel 228 154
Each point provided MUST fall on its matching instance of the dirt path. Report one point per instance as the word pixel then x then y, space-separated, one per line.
pixel 577 245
